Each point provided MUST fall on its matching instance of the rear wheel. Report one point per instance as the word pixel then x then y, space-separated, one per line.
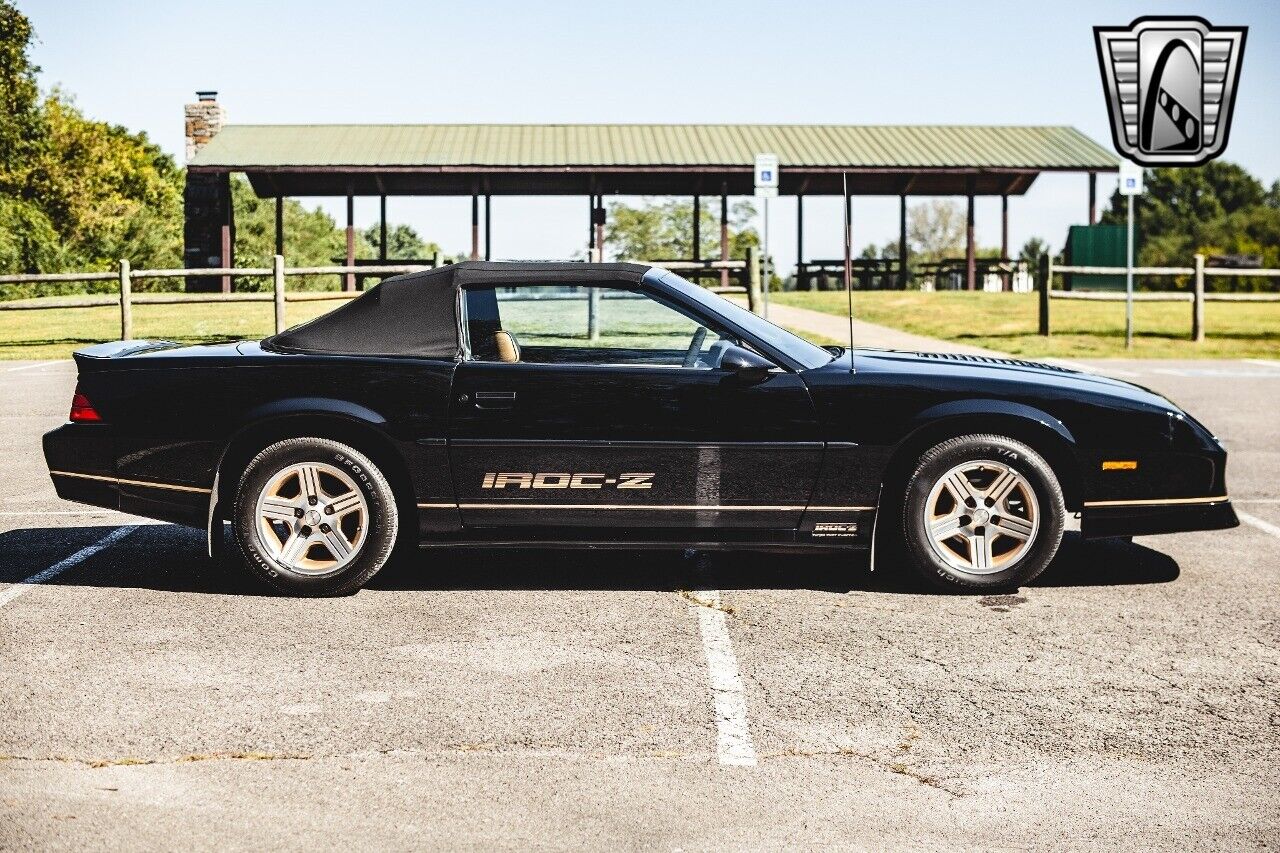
pixel 982 512
pixel 315 517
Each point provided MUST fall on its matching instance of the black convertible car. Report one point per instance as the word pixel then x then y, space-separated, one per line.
pixel 616 404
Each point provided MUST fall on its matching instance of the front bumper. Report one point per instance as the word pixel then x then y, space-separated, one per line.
pixel 1146 518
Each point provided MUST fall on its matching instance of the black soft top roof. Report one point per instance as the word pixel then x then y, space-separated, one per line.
pixel 417 314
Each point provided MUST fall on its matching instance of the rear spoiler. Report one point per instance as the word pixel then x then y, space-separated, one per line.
pixel 100 355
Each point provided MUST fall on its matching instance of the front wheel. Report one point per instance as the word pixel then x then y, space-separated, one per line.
pixel 314 517
pixel 982 512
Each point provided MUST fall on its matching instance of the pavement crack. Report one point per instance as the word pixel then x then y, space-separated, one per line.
pixel 134 761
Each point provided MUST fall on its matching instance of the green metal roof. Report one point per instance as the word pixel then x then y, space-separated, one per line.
pixel 677 147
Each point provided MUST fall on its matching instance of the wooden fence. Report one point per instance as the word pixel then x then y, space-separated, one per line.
pixel 1196 296
pixel 279 296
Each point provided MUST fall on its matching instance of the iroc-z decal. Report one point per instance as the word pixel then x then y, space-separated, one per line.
pixel 561 480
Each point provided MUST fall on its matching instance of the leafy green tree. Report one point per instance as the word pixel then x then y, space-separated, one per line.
pixel 21 130
pixel 1215 209
pixel 311 238
pixel 403 243
pixel 663 230
pixel 1032 250
pixel 75 193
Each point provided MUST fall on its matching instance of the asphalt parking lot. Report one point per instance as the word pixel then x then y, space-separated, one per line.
pixel 499 699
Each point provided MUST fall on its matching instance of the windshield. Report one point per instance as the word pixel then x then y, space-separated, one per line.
pixel 806 354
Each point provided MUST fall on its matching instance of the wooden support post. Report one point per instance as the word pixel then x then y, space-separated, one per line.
pixel 599 228
pixel 1043 275
pixel 227 260
pixel 126 301
pixel 277 290
pixel 1093 198
pixel 801 278
pixel 970 258
pixel 475 227
pixel 753 279
pixel 488 232
pixel 1007 278
pixel 697 228
pixel 903 261
pixel 382 228
pixel 279 225
pixel 350 283
pixel 724 233
pixel 1197 302
pixel 591 227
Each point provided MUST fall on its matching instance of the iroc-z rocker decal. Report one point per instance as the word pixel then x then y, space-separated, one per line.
pixel 560 480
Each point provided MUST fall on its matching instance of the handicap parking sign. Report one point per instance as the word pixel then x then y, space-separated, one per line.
pixel 767 175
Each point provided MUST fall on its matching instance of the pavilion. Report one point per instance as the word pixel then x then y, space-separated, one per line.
pixel 698 161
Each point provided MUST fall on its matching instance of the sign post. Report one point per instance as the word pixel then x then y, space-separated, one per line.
pixel 766 188
pixel 1130 185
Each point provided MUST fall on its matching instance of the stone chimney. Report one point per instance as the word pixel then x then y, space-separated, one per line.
pixel 203 119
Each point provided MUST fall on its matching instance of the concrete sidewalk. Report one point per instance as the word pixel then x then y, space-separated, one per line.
pixel 864 334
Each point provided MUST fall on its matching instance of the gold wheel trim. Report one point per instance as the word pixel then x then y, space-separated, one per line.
pixel 981 517
pixel 312 518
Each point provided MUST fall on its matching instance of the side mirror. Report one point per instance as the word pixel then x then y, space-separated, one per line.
pixel 745 364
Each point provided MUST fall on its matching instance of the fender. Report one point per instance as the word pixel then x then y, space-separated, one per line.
pixel 305 406
pixel 1060 450
pixel 980 407
pixel 275 410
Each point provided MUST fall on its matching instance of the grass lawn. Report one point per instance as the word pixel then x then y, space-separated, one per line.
pixel 1001 321
pixel 1007 322
pixel 55 333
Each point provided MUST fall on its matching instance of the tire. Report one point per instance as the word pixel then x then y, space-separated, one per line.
pixel 1006 530
pixel 286 500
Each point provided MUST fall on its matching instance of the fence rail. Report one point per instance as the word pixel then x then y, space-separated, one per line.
pixel 1197 296
pixel 279 296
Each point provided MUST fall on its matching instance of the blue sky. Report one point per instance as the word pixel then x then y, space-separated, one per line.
pixel 136 63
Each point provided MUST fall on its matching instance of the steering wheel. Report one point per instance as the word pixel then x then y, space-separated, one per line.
pixel 695 347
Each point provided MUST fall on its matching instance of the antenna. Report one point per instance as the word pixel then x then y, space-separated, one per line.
pixel 848 260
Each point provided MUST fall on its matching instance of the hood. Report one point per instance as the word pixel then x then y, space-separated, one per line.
pixel 992 369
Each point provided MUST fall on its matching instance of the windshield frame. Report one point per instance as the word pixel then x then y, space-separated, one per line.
pixel 776 342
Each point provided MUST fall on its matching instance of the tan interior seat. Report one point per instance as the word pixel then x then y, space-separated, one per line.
pixel 508 346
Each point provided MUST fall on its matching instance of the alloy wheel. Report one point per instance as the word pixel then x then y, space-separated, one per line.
pixel 312 518
pixel 981 516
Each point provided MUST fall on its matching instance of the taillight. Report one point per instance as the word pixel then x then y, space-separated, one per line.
pixel 82 411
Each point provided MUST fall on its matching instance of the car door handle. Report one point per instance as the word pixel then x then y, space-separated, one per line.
pixel 495 399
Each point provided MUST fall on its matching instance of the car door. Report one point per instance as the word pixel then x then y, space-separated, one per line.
pixel 580 409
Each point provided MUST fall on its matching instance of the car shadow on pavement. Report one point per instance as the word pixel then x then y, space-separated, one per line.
pixel 171 558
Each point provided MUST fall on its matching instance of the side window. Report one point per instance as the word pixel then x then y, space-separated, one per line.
pixel 575 324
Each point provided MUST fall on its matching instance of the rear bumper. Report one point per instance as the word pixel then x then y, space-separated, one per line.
pixel 82 465
pixel 1143 519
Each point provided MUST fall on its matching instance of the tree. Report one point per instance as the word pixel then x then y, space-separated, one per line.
pixel 1176 202
pixel 403 243
pixel 1032 250
pixel 76 193
pixel 663 230
pixel 935 230
pixel 21 131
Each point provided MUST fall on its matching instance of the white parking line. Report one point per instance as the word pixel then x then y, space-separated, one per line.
pixel 1264 526
pixel 733 735
pixel 1265 362
pixel 37 364
pixel 58 568
pixel 35 512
